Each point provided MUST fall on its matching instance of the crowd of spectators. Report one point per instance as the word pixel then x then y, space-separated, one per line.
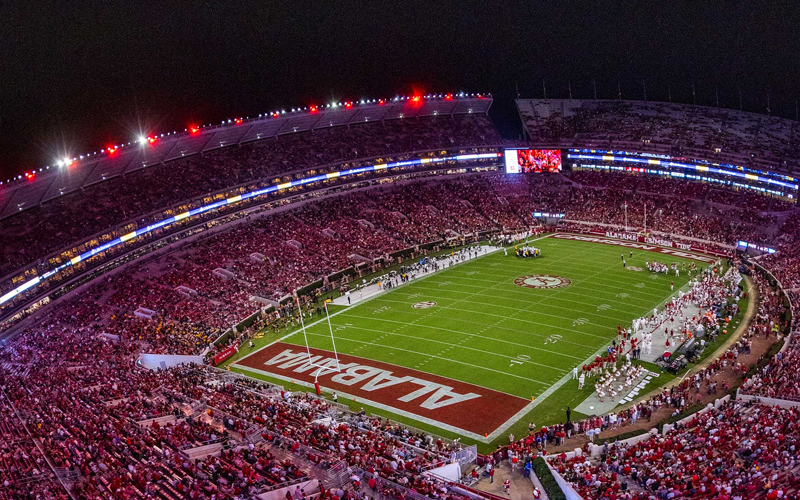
pixel 738 451
pixel 201 289
pixel 72 378
pixel 747 139
pixel 125 432
pixel 34 233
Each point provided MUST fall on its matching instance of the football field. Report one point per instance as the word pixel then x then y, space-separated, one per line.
pixel 481 345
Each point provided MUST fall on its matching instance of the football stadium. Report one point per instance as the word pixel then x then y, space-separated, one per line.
pixel 390 298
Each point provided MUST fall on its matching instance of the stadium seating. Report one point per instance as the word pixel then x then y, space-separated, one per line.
pixel 76 409
pixel 67 219
pixel 747 139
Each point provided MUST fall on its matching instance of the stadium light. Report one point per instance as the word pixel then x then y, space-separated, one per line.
pixel 142 139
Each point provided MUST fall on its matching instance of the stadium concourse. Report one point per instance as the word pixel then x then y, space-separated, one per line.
pixel 81 419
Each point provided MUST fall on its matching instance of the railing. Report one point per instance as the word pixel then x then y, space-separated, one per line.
pixel 273 487
pixel 39 446
pixel 203 443
pixel 387 484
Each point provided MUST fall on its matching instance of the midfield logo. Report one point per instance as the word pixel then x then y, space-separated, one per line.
pixel 542 281
pixel 424 305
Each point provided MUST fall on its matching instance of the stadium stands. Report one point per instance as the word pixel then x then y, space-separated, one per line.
pixel 748 139
pixel 736 451
pixel 76 409
pixel 30 235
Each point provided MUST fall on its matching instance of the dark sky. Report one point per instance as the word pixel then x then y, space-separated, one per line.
pixel 76 76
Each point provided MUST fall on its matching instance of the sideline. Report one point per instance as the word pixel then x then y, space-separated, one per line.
pixel 753 298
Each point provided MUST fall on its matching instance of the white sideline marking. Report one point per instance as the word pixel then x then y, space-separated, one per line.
pixel 412 416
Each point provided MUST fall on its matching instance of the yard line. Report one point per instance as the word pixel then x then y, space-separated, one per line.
pixel 528 301
pixel 509 281
pixel 438 357
pixel 492 304
pixel 526 309
pixel 465 347
pixel 352 315
pixel 587 250
pixel 579 279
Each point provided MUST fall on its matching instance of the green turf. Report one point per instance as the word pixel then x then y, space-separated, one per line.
pixel 490 332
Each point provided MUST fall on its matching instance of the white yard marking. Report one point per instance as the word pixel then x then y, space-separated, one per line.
pixel 522 358
pixel 442 358
pixel 552 339
pixel 507 296
pixel 482 351
pixel 497 306
pixel 607 286
pixel 479 334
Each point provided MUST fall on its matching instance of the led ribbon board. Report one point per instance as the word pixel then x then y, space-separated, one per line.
pixel 234 200
pixel 668 162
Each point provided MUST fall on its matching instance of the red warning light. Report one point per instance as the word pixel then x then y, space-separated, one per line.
pixel 416 98
pixel 348 105
pixel 111 149
pixel 194 129
pixel 29 175
pixel 381 102
pixel 312 109
pixel 238 121
pixel 448 97
pixel 151 140
pixel 276 114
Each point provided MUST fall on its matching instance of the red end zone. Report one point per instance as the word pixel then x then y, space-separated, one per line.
pixel 447 401
pixel 632 241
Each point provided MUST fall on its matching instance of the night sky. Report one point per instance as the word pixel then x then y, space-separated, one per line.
pixel 76 76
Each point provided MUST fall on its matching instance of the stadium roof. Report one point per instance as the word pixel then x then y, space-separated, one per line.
pixel 77 173
pixel 717 134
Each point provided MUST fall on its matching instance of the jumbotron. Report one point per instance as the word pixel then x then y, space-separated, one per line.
pixel 385 299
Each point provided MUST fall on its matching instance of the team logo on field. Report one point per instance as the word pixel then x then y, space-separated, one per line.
pixel 633 268
pixel 424 305
pixel 542 281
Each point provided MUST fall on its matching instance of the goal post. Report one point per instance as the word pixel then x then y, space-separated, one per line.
pixel 321 369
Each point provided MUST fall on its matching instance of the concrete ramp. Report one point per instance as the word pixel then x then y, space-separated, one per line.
pixel 223 273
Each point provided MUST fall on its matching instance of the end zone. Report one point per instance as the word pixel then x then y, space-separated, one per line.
pixel 457 406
